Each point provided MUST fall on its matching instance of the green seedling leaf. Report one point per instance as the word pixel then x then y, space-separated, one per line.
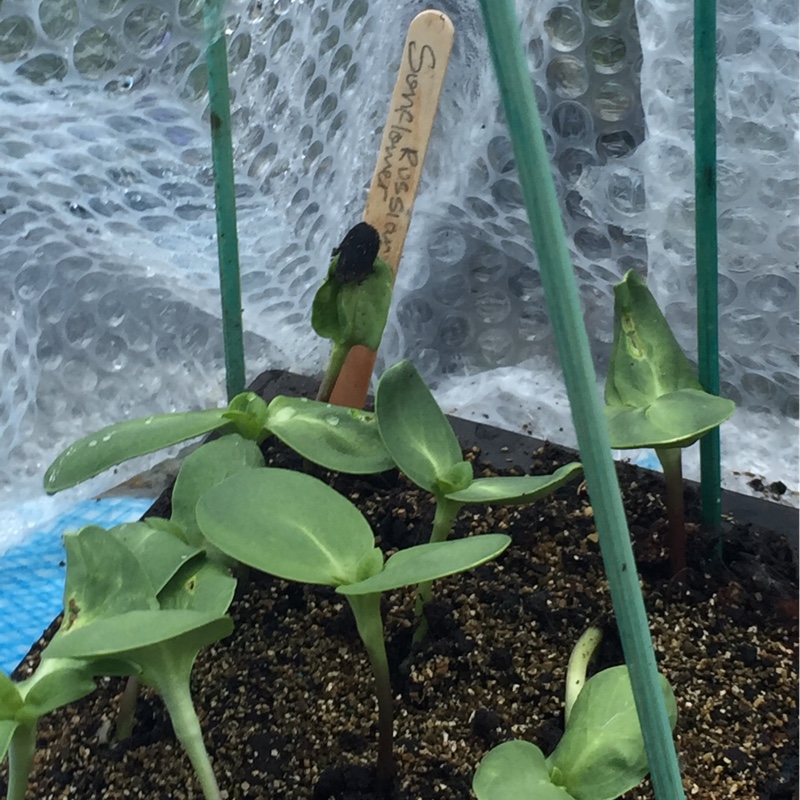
pixel 416 433
pixel 513 490
pixel 353 301
pixel 204 586
pixel 207 466
pixel 7 728
pixel 371 563
pixel 341 439
pixel 286 524
pixel 677 419
pixel 428 562
pixel 56 682
pixel 196 596
pixel 117 443
pixel 354 313
pixel 457 478
pixel 653 396
pixel 63 682
pixel 10 699
pixel 248 413
pixel 103 578
pixel 123 635
pixel 601 755
pixel 324 311
pixel 166 526
pixel 515 771
pixel 646 359
pixel 363 307
pixel 160 554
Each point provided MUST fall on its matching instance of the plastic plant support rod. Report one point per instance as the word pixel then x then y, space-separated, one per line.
pixel 561 295
pixel 225 197
pixel 402 154
pixel 705 181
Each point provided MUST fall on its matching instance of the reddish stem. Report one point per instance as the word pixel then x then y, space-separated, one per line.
pixel 670 458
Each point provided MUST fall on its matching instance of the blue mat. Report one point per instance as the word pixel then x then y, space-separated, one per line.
pixel 649 460
pixel 32 573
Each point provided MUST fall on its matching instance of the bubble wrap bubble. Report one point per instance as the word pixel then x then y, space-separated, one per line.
pixel 108 290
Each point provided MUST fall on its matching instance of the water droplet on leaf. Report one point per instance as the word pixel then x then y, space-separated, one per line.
pixel 283 415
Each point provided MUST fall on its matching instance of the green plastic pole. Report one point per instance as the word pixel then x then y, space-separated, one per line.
pixel 705 181
pixel 561 294
pixel 225 196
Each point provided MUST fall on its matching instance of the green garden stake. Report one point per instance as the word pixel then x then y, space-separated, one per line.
pixel 706 244
pixel 225 195
pixel 563 304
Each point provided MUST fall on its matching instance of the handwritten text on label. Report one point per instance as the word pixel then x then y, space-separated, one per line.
pixel 398 175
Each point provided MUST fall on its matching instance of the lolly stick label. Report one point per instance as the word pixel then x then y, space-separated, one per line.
pixel 405 136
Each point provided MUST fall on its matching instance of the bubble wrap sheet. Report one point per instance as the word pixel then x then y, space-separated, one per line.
pixel 108 286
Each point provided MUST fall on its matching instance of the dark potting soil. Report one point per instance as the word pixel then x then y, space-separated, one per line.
pixel 286 702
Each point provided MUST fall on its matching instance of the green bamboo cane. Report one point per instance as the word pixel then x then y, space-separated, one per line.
pixel 705 181
pixel 561 294
pixel 225 196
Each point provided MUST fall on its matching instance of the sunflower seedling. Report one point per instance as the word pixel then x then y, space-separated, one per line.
pixel 601 754
pixel 340 439
pixel 654 399
pixel 424 446
pixel 141 595
pixel 295 527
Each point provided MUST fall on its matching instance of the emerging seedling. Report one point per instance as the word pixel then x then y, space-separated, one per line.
pixel 352 304
pixel 579 660
pixel 297 528
pixel 424 446
pixel 601 754
pixel 654 399
pixel 142 596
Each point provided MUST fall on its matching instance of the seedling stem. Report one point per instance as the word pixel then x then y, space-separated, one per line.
pixel 670 458
pixel 367 611
pixel 172 683
pixel 338 355
pixel 126 714
pixel 20 759
pixel 443 518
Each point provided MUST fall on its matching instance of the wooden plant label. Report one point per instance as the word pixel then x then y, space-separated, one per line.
pixel 399 167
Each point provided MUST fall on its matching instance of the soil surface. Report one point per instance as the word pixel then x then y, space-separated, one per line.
pixel 287 704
